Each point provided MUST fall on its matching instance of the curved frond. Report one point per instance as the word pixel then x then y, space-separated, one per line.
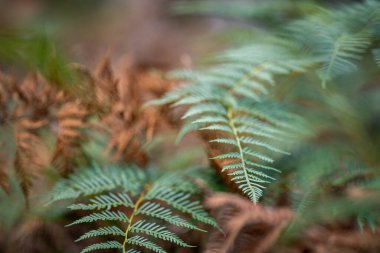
pixel 102 216
pixel 105 201
pixel 157 231
pixel 96 179
pixel 339 53
pixel 155 210
pixel 102 246
pixel 230 98
pixel 181 201
pixel 143 242
pixel 113 230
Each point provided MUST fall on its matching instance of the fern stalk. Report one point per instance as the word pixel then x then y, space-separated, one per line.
pixel 130 220
pixel 333 57
pixel 254 72
pixel 237 139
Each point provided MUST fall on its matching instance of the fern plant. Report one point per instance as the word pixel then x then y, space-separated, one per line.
pixel 339 38
pixel 135 208
pixel 233 98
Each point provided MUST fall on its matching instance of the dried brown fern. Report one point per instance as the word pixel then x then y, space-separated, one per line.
pixel 70 120
pixel 107 84
pixel 31 152
pixel 113 101
pixel 36 236
pixel 29 115
pixel 246 227
pixel 31 108
pixel 321 239
pixel 128 122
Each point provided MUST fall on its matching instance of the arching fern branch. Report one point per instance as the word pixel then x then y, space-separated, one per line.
pixel 338 49
pixel 339 38
pixel 232 99
pixel 339 52
pixel 151 203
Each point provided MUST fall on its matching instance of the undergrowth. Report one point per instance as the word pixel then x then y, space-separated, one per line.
pixel 289 117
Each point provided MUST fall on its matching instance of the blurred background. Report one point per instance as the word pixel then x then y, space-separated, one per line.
pixel 160 33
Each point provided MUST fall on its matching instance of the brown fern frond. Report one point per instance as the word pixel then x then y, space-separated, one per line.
pixel 27 107
pixel 246 227
pixel 71 119
pixel 106 83
pixel 128 123
pixel 112 100
pixel 36 236
pixel 321 239
pixel 35 91
pixel 32 155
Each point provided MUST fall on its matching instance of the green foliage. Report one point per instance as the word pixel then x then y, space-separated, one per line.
pixel 232 99
pixel 235 99
pixel 339 38
pixel 35 49
pixel 151 204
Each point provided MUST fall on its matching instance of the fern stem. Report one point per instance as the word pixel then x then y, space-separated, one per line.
pixel 254 71
pixel 130 220
pixel 237 139
pixel 334 55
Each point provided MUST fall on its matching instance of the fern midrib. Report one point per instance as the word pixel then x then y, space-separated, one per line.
pixel 130 220
pixel 334 55
pixel 254 71
pixel 242 159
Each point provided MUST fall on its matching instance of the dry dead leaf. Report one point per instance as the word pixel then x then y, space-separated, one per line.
pixel 246 227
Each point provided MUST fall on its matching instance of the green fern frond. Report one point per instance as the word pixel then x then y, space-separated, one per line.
pixel 142 196
pixel 143 242
pixel 250 129
pixel 338 54
pixel 97 180
pixel 133 251
pixel 339 38
pixel 102 246
pixel 105 201
pixel 102 232
pixel 181 201
pixel 102 216
pixel 204 108
pixel 241 142
pixel 231 98
pixel 155 210
pixel 157 231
